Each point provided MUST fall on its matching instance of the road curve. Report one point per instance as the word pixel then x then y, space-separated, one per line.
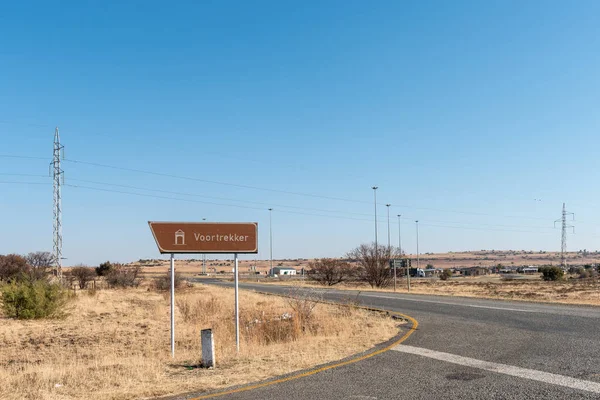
pixel 463 349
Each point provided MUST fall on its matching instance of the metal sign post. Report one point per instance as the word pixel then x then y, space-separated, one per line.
pixel 394 277
pixel 395 263
pixel 172 305
pixel 237 309
pixel 205 238
pixel 408 274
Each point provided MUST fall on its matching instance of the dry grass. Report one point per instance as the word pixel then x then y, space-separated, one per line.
pixel 570 291
pixel 115 343
pixel 574 291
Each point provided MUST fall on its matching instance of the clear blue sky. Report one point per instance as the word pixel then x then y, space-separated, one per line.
pixel 462 113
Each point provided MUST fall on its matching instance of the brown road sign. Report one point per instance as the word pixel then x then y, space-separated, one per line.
pixel 205 237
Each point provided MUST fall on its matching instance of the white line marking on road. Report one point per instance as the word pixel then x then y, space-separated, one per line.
pixel 500 308
pixel 519 372
pixel 450 304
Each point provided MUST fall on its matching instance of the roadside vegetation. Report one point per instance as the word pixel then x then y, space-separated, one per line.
pixel 365 269
pixel 552 273
pixel 114 339
pixel 571 290
pixel 27 290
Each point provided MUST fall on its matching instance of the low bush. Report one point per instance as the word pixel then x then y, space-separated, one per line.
pixel 121 276
pixel 196 310
pixel 447 273
pixel 552 273
pixel 82 275
pixel 276 329
pixel 330 271
pixel 104 269
pixel 163 282
pixel 34 300
pixel 303 305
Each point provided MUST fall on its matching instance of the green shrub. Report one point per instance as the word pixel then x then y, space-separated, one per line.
pixel 34 299
pixel 447 273
pixel 104 268
pixel 552 273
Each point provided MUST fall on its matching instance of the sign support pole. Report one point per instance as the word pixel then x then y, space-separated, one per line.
pixel 408 275
pixel 394 276
pixel 237 311
pixel 172 305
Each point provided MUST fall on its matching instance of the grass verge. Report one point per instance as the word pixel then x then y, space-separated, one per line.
pixel 115 343
pixel 568 291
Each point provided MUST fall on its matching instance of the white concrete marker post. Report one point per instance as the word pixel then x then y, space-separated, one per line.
pixel 208 348
pixel 237 314
pixel 173 305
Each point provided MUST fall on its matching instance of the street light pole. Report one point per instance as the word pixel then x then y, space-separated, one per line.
pixel 399 236
pixel 400 250
pixel 417 222
pixel 388 215
pixel 271 240
pixel 376 248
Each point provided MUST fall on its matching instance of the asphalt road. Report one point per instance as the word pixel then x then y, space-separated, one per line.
pixel 463 349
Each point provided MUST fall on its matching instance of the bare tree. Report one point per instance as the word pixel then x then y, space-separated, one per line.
pixel 122 276
pixel 374 263
pixel 330 271
pixel 83 275
pixel 13 266
pixel 40 264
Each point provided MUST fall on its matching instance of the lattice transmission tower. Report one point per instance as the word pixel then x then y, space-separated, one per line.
pixel 563 242
pixel 58 179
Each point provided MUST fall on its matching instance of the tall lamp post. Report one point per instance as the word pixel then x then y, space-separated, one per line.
pixel 375 202
pixel 400 249
pixel 417 222
pixel 271 240
pixel 388 215
pixel 399 236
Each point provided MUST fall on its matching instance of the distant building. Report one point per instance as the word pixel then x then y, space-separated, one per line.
pixel 279 271
pixel 474 271
pixel 530 270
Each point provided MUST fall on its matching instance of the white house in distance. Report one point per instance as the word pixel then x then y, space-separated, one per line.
pixel 279 271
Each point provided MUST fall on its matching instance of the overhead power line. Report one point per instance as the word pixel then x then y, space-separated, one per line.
pixel 28 175
pixel 288 206
pixel 24 183
pixel 216 198
pixel 479 229
pixel 312 195
pixel 276 210
pixel 174 176
pixel 188 178
pixel 23 157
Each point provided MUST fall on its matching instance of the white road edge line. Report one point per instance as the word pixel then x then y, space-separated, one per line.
pixel 519 372
pixel 450 304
